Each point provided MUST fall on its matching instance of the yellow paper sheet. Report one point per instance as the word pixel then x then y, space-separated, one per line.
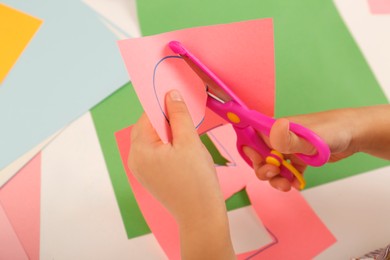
pixel 16 30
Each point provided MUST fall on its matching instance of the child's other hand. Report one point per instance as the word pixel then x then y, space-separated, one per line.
pixel 336 128
pixel 180 174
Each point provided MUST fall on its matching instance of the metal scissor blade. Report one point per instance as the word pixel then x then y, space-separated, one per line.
pixel 213 88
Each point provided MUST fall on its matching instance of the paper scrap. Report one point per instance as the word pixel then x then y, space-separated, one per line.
pixel 20 198
pixel 241 54
pixel 379 6
pixel 16 30
pixel 282 214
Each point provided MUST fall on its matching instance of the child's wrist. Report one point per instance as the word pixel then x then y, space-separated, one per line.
pixel 198 215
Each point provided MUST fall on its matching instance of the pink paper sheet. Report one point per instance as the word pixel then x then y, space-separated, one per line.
pixel 379 6
pixel 10 247
pixel 296 229
pixel 241 54
pixel 20 198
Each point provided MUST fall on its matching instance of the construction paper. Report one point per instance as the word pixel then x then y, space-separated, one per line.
pixel 241 54
pixel 80 218
pixel 350 208
pixel 319 66
pixel 8 172
pixel 379 6
pixel 70 66
pixel 20 198
pixel 10 247
pixel 371 33
pixel 16 30
pixel 116 112
pixel 120 14
pixel 282 214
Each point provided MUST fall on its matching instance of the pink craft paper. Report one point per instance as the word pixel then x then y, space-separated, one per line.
pixel 295 227
pixel 379 6
pixel 10 247
pixel 20 198
pixel 241 54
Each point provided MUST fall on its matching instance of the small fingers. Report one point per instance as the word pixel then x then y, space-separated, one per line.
pixel 280 183
pixel 180 120
pixel 263 171
pixel 268 172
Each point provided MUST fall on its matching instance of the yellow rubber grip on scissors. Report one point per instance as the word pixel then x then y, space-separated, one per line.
pixel 273 161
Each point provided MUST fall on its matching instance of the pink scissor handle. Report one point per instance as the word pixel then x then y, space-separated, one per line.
pixel 253 118
pixel 248 137
pixel 263 124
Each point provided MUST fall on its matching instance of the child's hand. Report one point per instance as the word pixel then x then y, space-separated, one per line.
pixel 337 128
pixel 181 175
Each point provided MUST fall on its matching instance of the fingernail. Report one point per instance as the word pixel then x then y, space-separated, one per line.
pixel 270 174
pixel 175 95
pixel 250 155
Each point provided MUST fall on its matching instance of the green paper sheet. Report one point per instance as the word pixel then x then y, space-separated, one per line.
pixel 318 64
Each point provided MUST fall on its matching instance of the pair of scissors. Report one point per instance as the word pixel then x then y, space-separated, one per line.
pixel 247 123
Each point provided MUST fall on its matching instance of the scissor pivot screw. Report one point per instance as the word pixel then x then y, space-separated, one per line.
pixel 233 117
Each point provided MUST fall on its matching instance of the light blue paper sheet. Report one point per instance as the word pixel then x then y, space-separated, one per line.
pixel 70 65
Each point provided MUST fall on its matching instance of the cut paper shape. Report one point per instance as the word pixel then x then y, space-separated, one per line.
pixel 319 66
pixel 282 213
pixel 241 54
pixel 69 68
pixel 10 247
pixel 8 172
pixel 16 30
pixel 20 198
pixel 121 15
pixel 379 6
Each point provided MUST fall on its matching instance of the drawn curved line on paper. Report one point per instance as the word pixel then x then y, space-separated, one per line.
pixel 155 88
pixel 232 162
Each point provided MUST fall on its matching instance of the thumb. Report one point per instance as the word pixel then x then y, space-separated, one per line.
pixel 287 142
pixel 180 120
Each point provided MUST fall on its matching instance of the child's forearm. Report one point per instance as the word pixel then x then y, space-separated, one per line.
pixel 372 132
pixel 207 237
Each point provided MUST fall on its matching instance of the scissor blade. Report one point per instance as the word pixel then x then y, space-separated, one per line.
pixel 212 87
